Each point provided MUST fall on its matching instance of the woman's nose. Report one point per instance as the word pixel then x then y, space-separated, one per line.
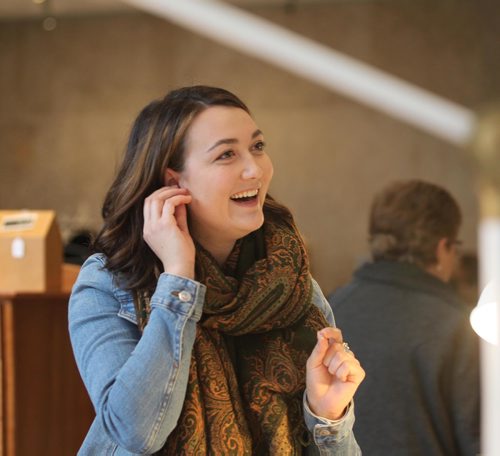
pixel 252 168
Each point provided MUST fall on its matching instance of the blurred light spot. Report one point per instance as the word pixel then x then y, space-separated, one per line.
pixel 49 23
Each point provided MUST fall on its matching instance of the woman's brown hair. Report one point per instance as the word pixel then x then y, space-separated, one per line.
pixel 408 219
pixel 156 142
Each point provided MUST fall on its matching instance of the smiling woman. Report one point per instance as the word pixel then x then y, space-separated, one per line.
pixel 197 328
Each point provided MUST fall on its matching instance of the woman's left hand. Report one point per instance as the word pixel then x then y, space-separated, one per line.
pixel 333 375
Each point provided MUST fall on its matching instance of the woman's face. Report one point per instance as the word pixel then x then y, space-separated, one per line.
pixel 227 173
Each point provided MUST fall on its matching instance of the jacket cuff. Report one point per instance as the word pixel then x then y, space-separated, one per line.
pixel 179 294
pixel 325 431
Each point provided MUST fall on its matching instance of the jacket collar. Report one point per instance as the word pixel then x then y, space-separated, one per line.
pixel 406 275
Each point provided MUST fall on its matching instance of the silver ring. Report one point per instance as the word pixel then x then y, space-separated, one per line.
pixel 346 347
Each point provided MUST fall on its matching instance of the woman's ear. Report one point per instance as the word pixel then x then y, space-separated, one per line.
pixel 171 177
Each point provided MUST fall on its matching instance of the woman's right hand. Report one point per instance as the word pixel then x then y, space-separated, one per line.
pixel 166 230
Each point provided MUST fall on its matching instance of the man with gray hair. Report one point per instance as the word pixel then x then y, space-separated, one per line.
pixel 410 330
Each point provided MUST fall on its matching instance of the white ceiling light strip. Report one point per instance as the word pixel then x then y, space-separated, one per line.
pixel 260 38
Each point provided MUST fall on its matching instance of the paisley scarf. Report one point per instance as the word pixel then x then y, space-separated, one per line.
pixel 247 372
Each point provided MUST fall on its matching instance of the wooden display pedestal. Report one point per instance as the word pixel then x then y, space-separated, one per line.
pixel 45 409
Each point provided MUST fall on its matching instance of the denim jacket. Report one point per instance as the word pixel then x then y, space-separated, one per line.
pixel 138 389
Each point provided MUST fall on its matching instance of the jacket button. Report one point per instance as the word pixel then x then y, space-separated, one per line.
pixel 185 296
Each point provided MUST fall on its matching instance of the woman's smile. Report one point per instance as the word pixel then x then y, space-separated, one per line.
pixel 246 198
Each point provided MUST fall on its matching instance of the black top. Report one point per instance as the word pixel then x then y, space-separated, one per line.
pixel 412 335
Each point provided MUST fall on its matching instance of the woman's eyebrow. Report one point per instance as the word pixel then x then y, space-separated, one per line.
pixel 222 141
pixel 232 140
pixel 257 133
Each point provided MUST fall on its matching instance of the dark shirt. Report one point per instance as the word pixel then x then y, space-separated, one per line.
pixel 412 335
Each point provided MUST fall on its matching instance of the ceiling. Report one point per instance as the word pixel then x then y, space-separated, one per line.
pixel 19 9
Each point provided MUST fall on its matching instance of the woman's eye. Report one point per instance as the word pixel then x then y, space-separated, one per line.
pixel 225 155
pixel 260 146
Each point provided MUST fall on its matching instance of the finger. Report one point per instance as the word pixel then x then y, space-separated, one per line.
pixel 343 372
pixel 318 352
pixel 333 349
pixel 165 192
pixel 161 194
pixel 351 371
pixel 333 334
pixel 326 337
pixel 335 362
pixel 155 210
pixel 181 216
pixel 156 200
pixel 343 366
pixel 170 206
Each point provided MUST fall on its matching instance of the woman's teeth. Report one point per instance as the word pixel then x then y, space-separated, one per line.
pixel 249 194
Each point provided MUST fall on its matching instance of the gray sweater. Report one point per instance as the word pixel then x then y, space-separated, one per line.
pixel 412 335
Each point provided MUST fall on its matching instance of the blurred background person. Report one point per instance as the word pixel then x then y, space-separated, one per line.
pixel 410 330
